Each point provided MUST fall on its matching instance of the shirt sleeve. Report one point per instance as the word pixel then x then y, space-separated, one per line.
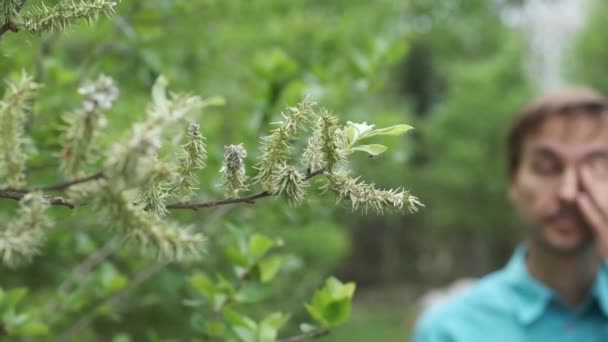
pixel 430 329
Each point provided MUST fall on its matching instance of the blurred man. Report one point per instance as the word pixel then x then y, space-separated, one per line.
pixel 555 287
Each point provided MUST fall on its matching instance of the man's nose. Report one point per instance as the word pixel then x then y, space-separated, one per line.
pixel 570 185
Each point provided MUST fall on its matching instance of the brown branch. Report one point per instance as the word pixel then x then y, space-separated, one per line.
pixel 57 187
pixel 65 185
pixel 9 25
pixel 248 199
pixel 308 336
pixel 17 194
pixel 53 200
pixel 211 204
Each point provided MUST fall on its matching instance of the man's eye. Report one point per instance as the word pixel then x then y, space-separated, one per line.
pixel 599 166
pixel 545 167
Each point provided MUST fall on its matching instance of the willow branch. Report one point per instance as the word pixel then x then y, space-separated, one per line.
pixel 52 200
pixel 17 194
pixel 247 199
pixel 65 185
pixel 56 187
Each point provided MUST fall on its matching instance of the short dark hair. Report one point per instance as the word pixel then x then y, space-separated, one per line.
pixel 563 101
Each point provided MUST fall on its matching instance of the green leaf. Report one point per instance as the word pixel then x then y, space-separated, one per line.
pixel 372 149
pixel 396 51
pixel 276 320
pixel 197 322
pixel 202 284
pixel 218 300
pixel 392 130
pixel 337 312
pixel 244 327
pixel 13 319
pixel 245 334
pixel 117 282
pixel 269 267
pixel 200 324
pixel 253 293
pixel 215 328
pixel 258 246
pixel 307 327
pixel 316 313
pixel 238 319
pixel 331 305
pixel 270 326
pixel 214 101
pixel 266 333
pixel 236 256
pixel 122 337
pixel 13 297
pixel 338 290
pixel 356 131
pixel 111 279
pixel 32 329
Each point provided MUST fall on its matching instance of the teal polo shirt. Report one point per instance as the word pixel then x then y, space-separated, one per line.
pixel 510 305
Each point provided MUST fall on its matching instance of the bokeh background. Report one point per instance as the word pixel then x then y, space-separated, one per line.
pixel 456 70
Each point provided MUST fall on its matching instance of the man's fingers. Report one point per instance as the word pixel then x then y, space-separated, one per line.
pixel 597 190
pixel 597 221
pixel 593 215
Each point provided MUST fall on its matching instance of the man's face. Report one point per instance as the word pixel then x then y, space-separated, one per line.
pixel 545 187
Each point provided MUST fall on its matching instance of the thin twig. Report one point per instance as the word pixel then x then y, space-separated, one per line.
pixel 83 269
pixel 59 186
pixel 138 279
pixel 308 336
pixel 64 185
pixel 211 204
pixel 247 199
pixel 53 200
pixel 115 299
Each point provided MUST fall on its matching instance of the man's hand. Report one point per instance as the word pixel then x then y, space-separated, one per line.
pixel 593 202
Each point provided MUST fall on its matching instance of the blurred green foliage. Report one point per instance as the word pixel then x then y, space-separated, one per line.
pixel 453 70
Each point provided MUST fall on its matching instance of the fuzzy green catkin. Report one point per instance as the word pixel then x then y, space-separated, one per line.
pixel 14 109
pixel 130 162
pixel 155 190
pixel 23 237
pixel 9 10
pixel 40 18
pixel 191 160
pixel 365 196
pixel 233 170
pixel 86 123
pixel 331 140
pixel 275 147
pixel 292 185
pixel 160 238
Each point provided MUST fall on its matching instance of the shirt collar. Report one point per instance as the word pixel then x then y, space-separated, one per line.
pixel 531 296
pixel 600 288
